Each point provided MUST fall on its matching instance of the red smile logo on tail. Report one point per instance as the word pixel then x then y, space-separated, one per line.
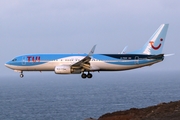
pixel 154 47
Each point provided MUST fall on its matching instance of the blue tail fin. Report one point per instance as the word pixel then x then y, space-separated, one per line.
pixel 155 44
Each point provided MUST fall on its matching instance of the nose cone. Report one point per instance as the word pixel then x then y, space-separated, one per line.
pixel 7 64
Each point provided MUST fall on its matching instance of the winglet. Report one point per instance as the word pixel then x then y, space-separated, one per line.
pixel 124 50
pixel 92 51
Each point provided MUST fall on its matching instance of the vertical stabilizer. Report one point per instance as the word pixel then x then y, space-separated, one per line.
pixel 155 44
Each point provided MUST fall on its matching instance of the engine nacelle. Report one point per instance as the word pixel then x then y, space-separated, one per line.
pixel 62 69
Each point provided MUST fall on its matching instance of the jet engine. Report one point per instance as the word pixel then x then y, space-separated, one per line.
pixel 62 69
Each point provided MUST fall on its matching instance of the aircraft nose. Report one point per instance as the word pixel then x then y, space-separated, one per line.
pixel 7 64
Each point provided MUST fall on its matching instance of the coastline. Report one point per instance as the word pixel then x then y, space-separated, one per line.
pixel 161 111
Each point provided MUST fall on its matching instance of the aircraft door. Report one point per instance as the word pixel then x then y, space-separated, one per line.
pixel 136 60
pixel 23 60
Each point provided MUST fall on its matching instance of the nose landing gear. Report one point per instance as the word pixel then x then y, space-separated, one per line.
pixel 21 75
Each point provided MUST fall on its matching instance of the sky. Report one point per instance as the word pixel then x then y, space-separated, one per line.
pixel 74 26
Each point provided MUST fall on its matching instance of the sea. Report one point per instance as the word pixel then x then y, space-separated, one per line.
pixel 47 96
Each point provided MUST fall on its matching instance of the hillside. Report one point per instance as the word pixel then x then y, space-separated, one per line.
pixel 163 111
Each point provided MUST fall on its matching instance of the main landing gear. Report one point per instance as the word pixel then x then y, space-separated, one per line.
pixel 21 75
pixel 89 75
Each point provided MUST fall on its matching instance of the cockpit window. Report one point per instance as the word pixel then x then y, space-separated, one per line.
pixel 14 59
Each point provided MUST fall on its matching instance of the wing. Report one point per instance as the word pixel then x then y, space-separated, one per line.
pixel 84 63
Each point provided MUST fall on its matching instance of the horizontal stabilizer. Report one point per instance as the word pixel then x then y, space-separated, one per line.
pixel 156 56
pixel 167 55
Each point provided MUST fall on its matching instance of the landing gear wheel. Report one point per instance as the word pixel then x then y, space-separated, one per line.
pixel 21 75
pixel 89 75
pixel 83 76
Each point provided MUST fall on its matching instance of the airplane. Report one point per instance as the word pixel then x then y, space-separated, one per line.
pixel 85 64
